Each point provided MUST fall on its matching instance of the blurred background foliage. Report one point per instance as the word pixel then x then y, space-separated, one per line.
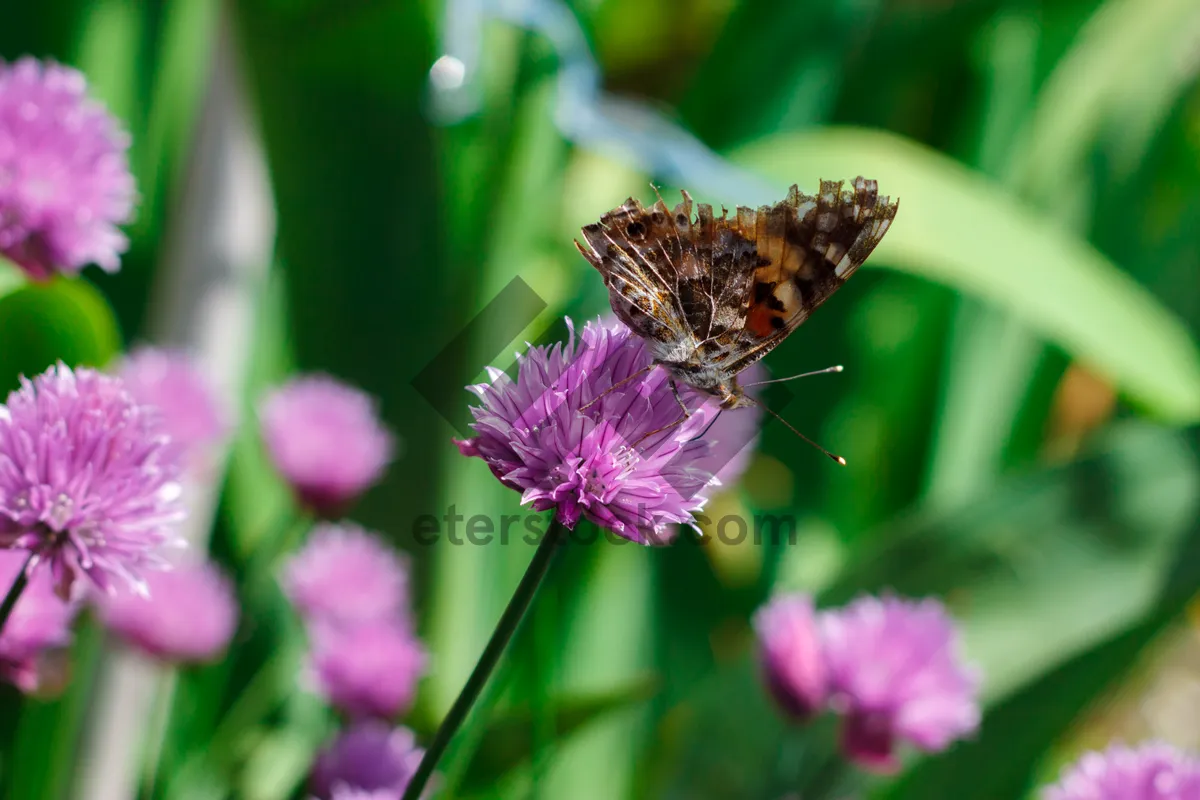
pixel 1017 411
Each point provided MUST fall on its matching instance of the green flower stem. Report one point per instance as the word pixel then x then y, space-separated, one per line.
pixel 510 620
pixel 14 593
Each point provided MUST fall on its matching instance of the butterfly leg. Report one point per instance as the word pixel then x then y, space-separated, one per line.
pixel 621 382
pixel 685 415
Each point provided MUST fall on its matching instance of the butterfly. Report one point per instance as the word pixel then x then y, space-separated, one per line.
pixel 712 295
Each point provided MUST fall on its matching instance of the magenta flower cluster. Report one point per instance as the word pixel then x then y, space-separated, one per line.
pixel 188 407
pixel 87 480
pixel 65 183
pixel 37 631
pixel 1153 771
pixel 188 613
pixel 368 761
pixel 351 591
pixel 890 667
pixel 591 430
pixel 326 440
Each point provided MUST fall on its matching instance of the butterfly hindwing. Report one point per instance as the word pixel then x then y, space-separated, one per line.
pixel 808 248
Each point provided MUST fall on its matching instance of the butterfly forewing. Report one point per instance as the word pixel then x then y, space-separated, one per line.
pixel 712 295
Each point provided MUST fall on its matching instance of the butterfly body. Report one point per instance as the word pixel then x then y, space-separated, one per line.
pixel 712 295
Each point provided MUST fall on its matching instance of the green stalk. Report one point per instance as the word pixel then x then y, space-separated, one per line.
pixel 14 593
pixel 510 620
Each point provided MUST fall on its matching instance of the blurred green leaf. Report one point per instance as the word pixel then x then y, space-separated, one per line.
pixel 65 319
pixel 508 741
pixel 1126 65
pixel 1047 563
pixel 47 731
pixel 956 227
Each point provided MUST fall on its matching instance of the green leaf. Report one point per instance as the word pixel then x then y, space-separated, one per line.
pixel 1123 70
pixel 1029 563
pixel 959 228
pixel 65 319
pixel 508 741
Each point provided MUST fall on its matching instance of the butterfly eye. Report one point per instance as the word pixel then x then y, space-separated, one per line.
pixel 635 230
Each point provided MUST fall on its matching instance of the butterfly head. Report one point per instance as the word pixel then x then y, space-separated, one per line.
pixel 733 396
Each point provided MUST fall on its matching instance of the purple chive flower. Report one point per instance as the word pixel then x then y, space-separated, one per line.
pixel 188 615
pixel 345 574
pixel 187 404
pixel 40 624
pixel 369 757
pixel 791 655
pixel 367 670
pixel 326 439
pixel 64 179
pixel 549 437
pixel 895 673
pixel 87 482
pixel 1153 771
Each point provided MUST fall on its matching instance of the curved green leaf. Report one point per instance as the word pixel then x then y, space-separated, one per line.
pixel 66 319
pixel 961 229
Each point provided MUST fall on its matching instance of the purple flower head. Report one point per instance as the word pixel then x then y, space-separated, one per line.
pixel 347 575
pixel 87 482
pixel 895 672
pixel 792 658
pixel 326 439
pixel 367 670
pixel 576 432
pixel 1153 771
pixel 188 407
pixel 369 757
pixel 40 623
pixel 64 179
pixel 188 615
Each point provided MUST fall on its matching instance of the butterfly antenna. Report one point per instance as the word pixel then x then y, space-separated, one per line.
pixel 788 425
pixel 835 368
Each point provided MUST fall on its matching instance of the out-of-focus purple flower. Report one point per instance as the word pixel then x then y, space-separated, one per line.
pixel 369 757
pixel 1153 771
pixel 792 658
pixel 326 439
pixel 567 439
pixel 343 792
pixel 367 670
pixel 187 404
pixel 188 615
pixel 39 624
pixel 347 575
pixel 895 673
pixel 87 481
pixel 64 178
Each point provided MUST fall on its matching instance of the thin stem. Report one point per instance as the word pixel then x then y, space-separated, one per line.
pixel 510 620
pixel 14 593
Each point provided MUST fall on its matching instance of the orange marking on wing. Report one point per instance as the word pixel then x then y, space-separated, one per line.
pixel 758 321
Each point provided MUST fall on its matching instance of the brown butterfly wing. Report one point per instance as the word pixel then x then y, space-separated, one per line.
pixel 722 292
pixel 674 280
pixel 807 247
